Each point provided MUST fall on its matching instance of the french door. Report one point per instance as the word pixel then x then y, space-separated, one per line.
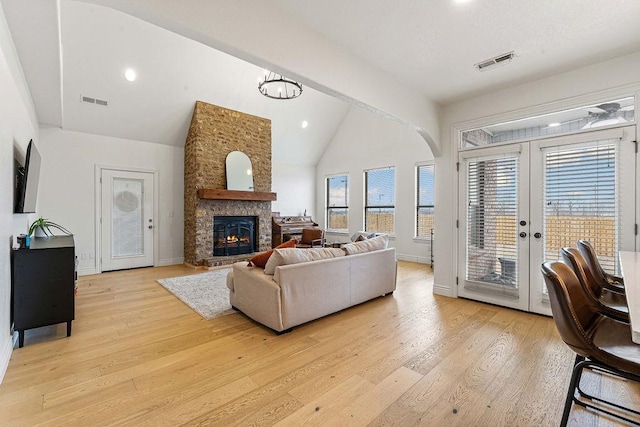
pixel 521 203
pixel 126 219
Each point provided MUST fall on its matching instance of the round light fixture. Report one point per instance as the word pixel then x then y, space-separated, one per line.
pixel 276 86
pixel 130 74
pixel 305 124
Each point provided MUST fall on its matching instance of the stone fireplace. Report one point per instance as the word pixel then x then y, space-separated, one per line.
pixel 213 134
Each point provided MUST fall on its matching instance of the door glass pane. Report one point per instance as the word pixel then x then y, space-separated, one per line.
pixel 127 218
pixel 492 241
pixel 580 201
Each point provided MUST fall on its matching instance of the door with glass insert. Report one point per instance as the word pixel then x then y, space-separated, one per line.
pixel 494 203
pixel 127 219
pixel 583 188
pixel 521 204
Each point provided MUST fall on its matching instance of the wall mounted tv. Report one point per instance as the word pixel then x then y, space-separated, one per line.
pixel 27 177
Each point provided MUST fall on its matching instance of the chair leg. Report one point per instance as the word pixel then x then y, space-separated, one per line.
pixel 580 364
pixel 573 384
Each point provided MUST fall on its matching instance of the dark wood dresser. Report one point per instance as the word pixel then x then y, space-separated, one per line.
pixel 42 284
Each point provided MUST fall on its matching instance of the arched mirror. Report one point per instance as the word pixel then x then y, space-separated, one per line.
pixel 239 172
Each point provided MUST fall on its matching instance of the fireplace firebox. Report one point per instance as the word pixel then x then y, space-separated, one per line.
pixel 234 235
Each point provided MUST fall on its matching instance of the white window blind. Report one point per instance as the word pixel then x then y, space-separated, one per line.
pixel 492 200
pixel 127 226
pixel 337 202
pixel 380 202
pixel 580 200
pixel 425 200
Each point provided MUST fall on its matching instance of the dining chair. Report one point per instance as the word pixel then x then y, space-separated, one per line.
pixel 601 343
pixel 613 282
pixel 611 304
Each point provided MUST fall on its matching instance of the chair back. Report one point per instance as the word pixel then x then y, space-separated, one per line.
pixel 573 312
pixel 592 261
pixel 311 235
pixel 576 261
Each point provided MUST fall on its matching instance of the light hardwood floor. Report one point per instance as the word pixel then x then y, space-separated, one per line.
pixel 140 357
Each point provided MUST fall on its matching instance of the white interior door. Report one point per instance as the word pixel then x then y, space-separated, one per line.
pixel 521 204
pixel 127 219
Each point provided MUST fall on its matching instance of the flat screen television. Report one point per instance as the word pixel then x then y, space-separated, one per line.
pixel 27 178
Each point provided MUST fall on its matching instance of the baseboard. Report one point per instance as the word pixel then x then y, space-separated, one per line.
pixel 170 261
pixel 413 258
pixel 443 290
pixel 6 348
pixel 86 271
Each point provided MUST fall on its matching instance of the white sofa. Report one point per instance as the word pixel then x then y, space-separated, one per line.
pixel 298 293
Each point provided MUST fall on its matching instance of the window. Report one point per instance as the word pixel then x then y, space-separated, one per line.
pixel 380 209
pixel 424 200
pixel 337 202
pixel 616 112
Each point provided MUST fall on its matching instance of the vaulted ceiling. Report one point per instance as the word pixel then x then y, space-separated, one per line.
pixel 423 50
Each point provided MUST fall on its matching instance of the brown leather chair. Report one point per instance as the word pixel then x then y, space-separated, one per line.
pixel 311 237
pixel 612 282
pixel 610 303
pixel 600 342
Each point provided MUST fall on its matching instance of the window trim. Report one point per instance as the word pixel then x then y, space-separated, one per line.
pixel 326 203
pixel 418 165
pixel 366 190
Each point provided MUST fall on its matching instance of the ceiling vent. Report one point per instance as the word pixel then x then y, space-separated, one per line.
pixel 95 101
pixel 495 62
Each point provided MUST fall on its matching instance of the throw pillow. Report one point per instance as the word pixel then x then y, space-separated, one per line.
pixel 295 256
pixel 368 245
pixel 260 260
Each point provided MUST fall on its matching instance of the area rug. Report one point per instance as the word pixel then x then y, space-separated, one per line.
pixel 206 293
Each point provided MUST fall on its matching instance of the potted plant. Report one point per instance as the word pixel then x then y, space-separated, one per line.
pixel 41 227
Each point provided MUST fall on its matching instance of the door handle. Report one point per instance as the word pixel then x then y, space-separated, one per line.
pixel 523 234
pixel 537 235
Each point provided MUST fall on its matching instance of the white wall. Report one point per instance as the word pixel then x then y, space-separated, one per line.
pixel 67 187
pixel 365 141
pixel 294 186
pixel 18 124
pixel 598 82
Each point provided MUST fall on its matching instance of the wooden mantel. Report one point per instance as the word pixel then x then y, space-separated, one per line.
pixel 218 194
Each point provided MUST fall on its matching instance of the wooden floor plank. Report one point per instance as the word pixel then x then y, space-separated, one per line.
pixel 139 356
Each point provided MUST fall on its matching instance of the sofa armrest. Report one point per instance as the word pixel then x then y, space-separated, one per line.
pixel 257 295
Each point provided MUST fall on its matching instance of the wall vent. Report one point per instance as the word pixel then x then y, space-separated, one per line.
pixel 495 62
pixel 95 101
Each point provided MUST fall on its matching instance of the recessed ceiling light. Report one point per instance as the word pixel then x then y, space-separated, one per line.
pixel 552 125
pixel 130 74
pixel 305 124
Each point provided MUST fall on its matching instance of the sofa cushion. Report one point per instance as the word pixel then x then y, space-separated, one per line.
pixel 288 256
pixel 260 260
pixel 368 245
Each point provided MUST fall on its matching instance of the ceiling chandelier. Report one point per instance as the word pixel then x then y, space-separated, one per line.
pixel 278 87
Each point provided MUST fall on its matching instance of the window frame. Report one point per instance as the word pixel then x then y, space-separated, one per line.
pixel 366 206
pixel 328 206
pixel 417 194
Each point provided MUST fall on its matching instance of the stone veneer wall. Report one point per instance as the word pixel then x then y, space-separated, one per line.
pixel 214 133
